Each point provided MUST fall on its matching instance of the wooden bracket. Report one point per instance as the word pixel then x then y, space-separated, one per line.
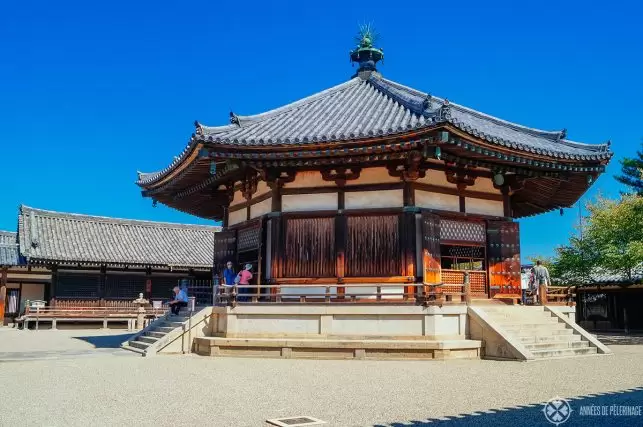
pixel 276 178
pixel 460 175
pixel 410 170
pixel 341 174
pixel 249 185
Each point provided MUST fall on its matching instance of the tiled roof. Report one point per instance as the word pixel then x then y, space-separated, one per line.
pixel 9 254
pixel 601 276
pixel 370 107
pixel 47 236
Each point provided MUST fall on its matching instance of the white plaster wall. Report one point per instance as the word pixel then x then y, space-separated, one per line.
pixel 484 207
pixel 238 198
pixel 484 185
pixel 445 202
pixel 434 177
pixel 308 202
pixel 308 179
pixel 293 324
pixel 262 188
pixel 374 199
pixel 374 176
pixel 237 216
pixel 261 208
pixel 378 325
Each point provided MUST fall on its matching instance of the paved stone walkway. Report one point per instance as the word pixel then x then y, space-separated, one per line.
pixel 110 390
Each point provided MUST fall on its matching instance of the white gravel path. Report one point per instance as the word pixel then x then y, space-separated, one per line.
pixel 189 390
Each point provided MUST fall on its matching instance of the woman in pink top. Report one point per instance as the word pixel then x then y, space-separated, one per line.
pixel 245 276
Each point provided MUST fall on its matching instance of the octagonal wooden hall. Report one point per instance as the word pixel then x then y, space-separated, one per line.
pixel 373 182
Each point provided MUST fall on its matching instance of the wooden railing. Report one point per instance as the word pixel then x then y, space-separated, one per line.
pixel 91 303
pixel 477 280
pixel 93 312
pixel 425 294
pixel 561 295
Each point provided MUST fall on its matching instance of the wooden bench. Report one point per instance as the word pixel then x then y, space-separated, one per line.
pixel 86 314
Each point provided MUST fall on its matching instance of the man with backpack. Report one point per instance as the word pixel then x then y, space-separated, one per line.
pixel 541 278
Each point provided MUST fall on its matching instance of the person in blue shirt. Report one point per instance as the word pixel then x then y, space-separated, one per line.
pixel 229 275
pixel 229 278
pixel 180 300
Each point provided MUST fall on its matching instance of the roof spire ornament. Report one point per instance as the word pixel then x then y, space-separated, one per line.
pixel 365 53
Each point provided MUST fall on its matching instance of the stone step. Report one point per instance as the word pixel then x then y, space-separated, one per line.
pixel 556 345
pixel 139 344
pixel 534 326
pixel 148 339
pixel 514 309
pixel 171 324
pixel 541 332
pixel 523 320
pixel 155 334
pixel 134 349
pixel 178 318
pixel 566 352
pixel 163 329
pixel 529 339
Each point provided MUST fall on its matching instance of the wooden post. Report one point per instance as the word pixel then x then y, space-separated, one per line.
pixel 506 201
pixel 542 290
pixel 467 288
pixel 3 294
pixel 341 224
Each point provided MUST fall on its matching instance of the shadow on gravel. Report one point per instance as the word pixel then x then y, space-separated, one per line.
pixel 585 412
pixel 614 339
pixel 105 341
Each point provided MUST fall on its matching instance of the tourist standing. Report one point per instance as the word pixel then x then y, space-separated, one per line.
pixel 524 285
pixel 245 276
pixel 541 279
pixel 229 277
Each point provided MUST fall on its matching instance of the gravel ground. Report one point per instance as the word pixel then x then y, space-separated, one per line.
pixel 105 390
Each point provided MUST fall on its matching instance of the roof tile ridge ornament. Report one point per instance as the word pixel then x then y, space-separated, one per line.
pixel 234 119
pixel 198 129
pixel 365 53
pixel 444 112
pixel 561 135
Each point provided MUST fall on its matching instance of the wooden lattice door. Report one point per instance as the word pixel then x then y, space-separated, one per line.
pixel 503 240
pixel 431 268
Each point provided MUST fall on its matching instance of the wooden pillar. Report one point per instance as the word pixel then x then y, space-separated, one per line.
pixel 506 201
pixel 54 280
pixel 409 193
pixel 102 282
pixel 341 232
pixel 148 283
pixel 3 294
pixel 276 195
pixel 226 217
pixel 408 247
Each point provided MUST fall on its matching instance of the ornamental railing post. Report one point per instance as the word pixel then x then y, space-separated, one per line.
pixel 467 288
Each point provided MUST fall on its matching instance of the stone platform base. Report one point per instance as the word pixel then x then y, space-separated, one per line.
pixel 331 348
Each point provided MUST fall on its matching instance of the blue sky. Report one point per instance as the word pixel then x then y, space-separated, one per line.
pixel 91 92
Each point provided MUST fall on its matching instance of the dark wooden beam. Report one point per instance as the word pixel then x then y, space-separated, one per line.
pixel 506 201
pixel 3 294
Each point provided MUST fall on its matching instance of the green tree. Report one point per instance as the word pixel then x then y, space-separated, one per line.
pixel 610 239
pixel 632 172
pixel 615 229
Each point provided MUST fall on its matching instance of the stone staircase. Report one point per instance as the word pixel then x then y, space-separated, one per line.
pixel 532 332
pixel 160 329
pixel 541 333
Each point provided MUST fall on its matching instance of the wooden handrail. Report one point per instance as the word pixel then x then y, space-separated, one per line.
pixel 426 294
